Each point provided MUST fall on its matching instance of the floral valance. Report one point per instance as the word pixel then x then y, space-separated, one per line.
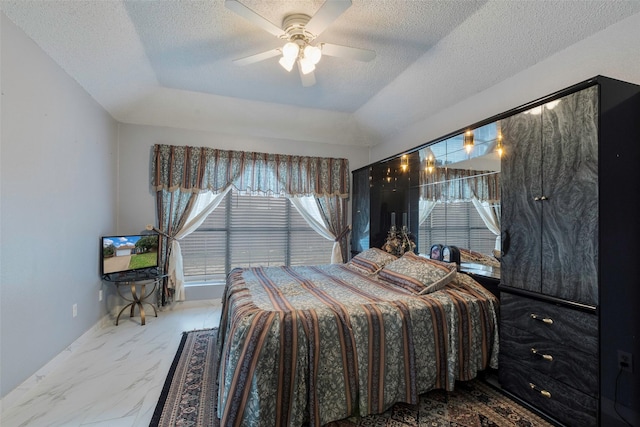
pixel 446 184
pixel 195 169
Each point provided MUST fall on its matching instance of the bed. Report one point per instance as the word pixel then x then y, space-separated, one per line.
pixel 314 344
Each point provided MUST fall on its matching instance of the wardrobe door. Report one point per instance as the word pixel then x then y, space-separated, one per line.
pixel 521 212
pixel 570 197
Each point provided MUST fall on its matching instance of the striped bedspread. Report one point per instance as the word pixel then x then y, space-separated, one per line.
pixel 314 344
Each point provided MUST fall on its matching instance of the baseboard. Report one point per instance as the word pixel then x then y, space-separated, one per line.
pixel 14 395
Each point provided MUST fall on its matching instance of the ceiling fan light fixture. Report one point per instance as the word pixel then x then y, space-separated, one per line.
pixel 313 53
pixel 297 32
pixel 290 51
pixel 287 63
pixel 306 65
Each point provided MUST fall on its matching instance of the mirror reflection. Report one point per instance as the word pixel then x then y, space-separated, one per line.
pixel 395 182
pixel 459 196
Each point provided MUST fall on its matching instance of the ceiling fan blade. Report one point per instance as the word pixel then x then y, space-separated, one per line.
pixel 325 16
pixel 308 79
pixel 257 57
pixel 250 15
pixel 358 54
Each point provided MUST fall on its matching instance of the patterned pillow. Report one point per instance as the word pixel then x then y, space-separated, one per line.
pixel 371 260
pixel 473 257
pixel 418 274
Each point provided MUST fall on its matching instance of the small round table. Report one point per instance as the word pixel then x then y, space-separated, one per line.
pixel 136 300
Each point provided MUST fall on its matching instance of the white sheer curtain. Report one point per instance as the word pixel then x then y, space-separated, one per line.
pixel 307 206
pixel 205 204
pixel 424 209
pixel 490 214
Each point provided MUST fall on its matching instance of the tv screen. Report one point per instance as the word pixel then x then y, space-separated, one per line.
pixel 122 254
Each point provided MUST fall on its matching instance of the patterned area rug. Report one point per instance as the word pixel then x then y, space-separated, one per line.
pixel 189 394
pixel 187 398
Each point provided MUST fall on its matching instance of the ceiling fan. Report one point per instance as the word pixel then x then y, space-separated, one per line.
pixel 299 31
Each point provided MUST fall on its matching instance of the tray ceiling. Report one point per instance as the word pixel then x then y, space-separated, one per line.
pixel 146 59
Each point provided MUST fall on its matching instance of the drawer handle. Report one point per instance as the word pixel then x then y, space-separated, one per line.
pixel 543 356
pixel 546 320
pixel 545 393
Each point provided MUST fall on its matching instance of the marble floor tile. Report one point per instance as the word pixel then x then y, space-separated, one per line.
pixel 113 375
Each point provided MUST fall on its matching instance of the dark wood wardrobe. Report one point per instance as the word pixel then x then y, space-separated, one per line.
pixel 569 240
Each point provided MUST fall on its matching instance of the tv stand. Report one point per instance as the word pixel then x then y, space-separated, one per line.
pixel 132 280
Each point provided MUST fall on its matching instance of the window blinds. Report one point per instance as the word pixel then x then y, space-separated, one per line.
pixel 251 231
pixel 456 224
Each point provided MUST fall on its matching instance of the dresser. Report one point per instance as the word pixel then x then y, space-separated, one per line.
pixel 549 357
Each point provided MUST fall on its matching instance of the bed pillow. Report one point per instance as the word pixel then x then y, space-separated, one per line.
pixel 371 260
pixel 467 255
pixel 418 274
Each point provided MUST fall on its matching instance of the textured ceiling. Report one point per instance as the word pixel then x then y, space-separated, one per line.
pixel 144 60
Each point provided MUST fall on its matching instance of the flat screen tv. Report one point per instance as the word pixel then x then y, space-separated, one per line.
pixel 128 254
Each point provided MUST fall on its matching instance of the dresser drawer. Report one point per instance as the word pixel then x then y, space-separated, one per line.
pixel 570 327
pixel 574 368
pixel 552 397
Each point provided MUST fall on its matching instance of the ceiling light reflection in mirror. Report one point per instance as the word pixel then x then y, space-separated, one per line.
pixel 484 154
pixel 470 157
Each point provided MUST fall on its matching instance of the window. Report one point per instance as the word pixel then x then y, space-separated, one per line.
pixel 457 224
pixel 251 231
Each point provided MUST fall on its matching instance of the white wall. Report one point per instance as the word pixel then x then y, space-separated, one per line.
pixel 57 176
pixel 137 201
